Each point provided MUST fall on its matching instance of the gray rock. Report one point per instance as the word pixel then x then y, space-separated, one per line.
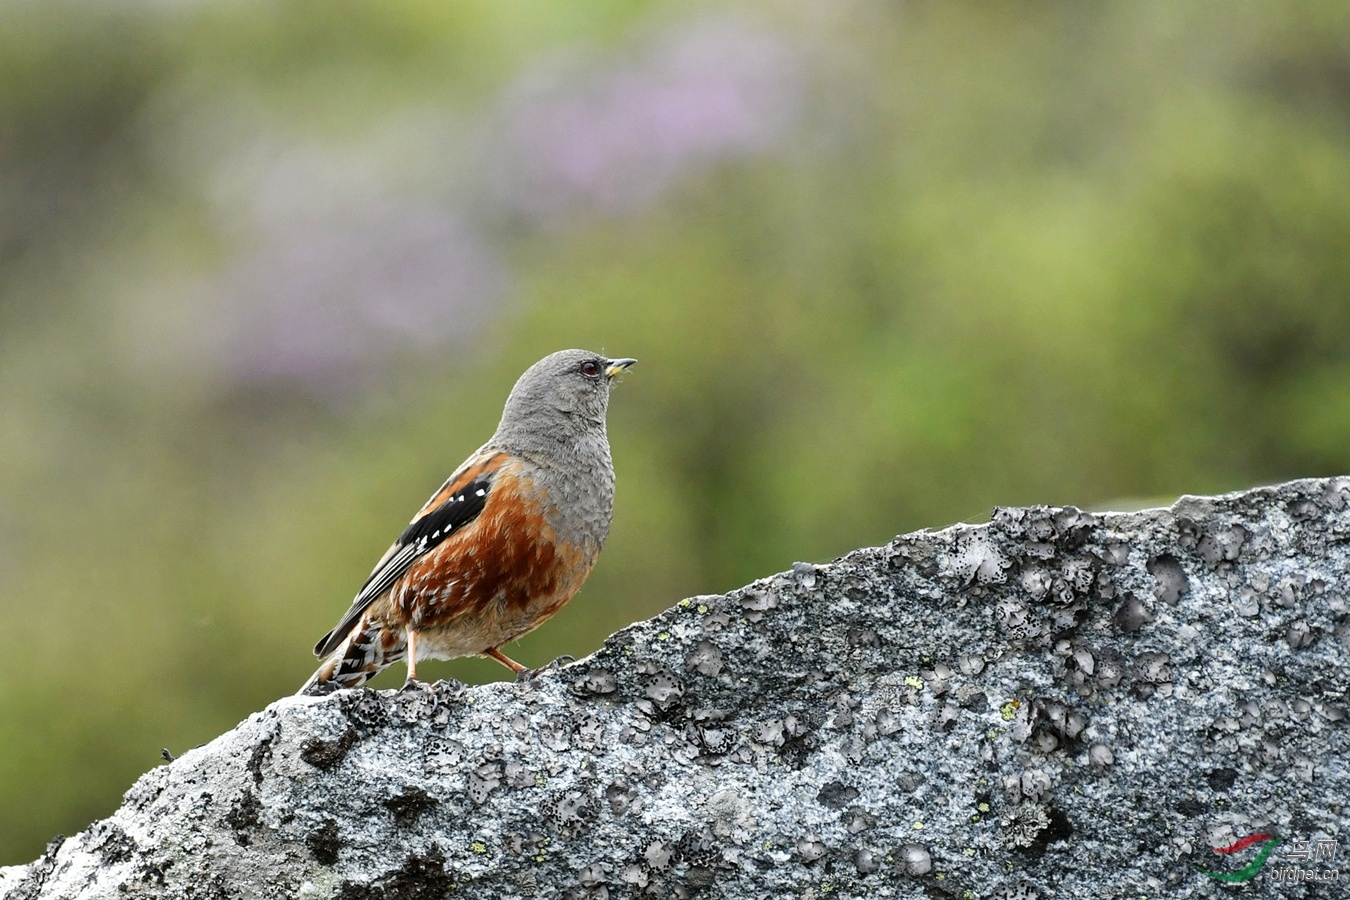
pixel 1056 704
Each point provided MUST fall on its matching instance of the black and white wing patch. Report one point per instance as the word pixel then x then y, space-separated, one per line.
pixel 425 532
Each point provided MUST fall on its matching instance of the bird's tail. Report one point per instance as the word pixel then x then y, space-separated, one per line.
pixel 367 651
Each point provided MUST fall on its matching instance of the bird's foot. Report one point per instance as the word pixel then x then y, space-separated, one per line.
pixel 321 688
pixel 532 674
pixel 412 684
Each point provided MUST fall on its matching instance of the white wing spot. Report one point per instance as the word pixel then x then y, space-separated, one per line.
pixel 481 493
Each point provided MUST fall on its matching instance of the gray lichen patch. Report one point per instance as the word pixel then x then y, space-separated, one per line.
pixel 1009 710
pixel 1171 576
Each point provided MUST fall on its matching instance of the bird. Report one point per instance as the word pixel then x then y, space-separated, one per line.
pixel 502 545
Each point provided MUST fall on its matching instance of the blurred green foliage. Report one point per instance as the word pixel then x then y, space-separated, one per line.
pixel 885 265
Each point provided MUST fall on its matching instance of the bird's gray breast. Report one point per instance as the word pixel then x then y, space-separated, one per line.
pixel 580 488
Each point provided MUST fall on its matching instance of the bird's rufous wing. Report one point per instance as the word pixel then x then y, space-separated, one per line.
pixel 457 503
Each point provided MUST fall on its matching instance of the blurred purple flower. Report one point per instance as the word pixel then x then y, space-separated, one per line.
pixel 328 299
pixel 344 271
pixel 615 137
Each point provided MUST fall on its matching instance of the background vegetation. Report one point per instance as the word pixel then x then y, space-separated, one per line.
pixel 267 271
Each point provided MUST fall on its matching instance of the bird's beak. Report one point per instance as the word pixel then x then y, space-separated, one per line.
pixel 617 366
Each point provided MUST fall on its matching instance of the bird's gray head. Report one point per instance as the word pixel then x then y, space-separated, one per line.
pixel 563 395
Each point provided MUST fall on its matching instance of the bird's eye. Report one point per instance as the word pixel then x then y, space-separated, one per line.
pixel 590 368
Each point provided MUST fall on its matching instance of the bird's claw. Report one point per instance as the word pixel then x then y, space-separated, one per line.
pixel 412 684
pixel 531 674
pixel 321 689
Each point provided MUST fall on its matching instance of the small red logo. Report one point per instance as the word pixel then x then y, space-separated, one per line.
pixel 1268 843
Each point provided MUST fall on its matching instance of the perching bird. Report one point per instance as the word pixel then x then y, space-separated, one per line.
pixel 505 542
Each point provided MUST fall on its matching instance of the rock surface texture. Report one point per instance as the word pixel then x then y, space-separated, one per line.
pixel 1056 704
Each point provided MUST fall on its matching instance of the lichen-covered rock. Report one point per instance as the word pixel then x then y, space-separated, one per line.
pixel 1056 704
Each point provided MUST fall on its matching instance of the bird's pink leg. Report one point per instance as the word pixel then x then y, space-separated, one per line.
pixel 505 660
